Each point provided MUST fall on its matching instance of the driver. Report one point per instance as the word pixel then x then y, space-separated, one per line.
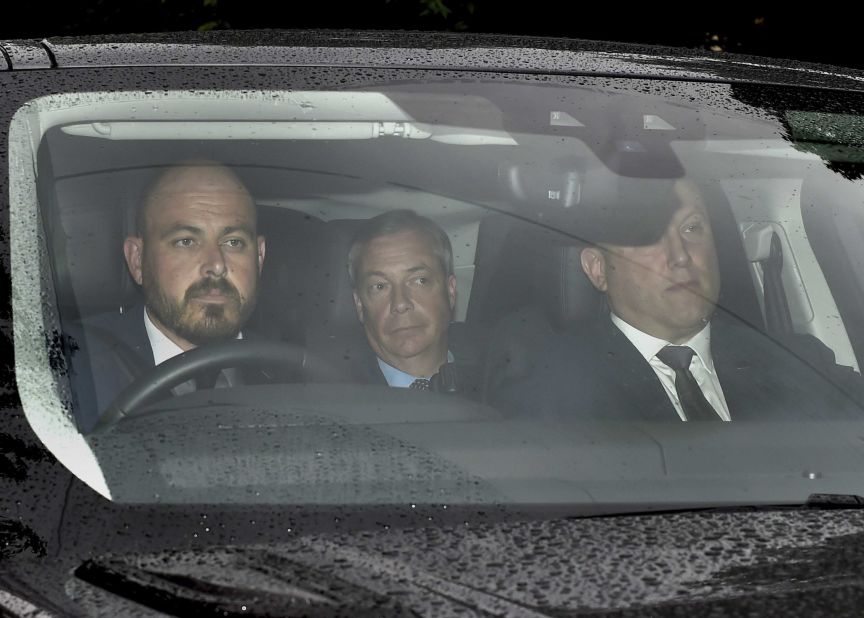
pixel 196 255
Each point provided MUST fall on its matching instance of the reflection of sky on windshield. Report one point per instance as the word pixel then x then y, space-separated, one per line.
pixel 519 177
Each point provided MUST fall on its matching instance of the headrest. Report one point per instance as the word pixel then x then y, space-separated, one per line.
pixel 85 236
pixel 569 296
pixel 289 277
pixel 333 335
pixel 521 264
pixel 331 304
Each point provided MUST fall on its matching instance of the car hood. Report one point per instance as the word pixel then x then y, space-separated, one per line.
pixel 766 562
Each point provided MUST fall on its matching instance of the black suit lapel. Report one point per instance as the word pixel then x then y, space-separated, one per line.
pixel 637 389
pixel 138 339
pixel 373 371
pixel 125 337
pixel 365 369
pixel 757 379
pixel 763 380
pixel 734 371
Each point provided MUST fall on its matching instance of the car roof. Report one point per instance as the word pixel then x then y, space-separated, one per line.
pixel 422 50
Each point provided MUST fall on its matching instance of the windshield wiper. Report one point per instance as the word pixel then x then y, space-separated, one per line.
pixel 185 595
pixel 813 502
pixel 835 501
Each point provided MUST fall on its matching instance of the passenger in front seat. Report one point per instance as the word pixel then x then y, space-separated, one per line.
pixel 663 352
pixel 401 271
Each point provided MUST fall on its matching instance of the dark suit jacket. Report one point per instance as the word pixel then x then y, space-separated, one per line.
pixel 369 372
pixel 355 361
pixel 108 352
pixel 597 374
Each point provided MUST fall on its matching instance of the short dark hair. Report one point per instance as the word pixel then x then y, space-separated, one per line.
pixel 396 221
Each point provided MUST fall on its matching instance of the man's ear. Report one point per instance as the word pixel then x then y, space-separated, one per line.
pixel 261 250
pixel 359 307
pixel 594 264
pixel 451 291
pixel 133 248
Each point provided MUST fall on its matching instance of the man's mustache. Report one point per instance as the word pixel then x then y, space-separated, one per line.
pixel 209 286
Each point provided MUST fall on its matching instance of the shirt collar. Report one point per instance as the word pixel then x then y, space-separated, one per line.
pixel 398 378
pixel 648 345
pixel 163 348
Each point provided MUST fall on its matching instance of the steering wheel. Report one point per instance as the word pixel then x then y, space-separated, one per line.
pixel 183 367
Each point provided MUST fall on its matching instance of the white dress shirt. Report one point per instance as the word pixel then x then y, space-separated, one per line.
pixel 701 365
pixel 163 349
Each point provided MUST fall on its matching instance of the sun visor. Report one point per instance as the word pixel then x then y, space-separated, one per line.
pixel 625 211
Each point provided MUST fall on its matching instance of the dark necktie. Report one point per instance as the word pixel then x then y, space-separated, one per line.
pixel 420 384
pixel 696 407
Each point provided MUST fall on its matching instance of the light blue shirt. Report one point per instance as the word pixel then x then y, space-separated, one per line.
pixel 398 378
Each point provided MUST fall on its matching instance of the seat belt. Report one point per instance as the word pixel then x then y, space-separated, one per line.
pixel 763 246
pixel 778 318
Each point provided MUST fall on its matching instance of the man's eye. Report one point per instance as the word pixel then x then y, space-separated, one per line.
pixel 184 242
pixel 422 280
pixel 377 287
pixel 235 243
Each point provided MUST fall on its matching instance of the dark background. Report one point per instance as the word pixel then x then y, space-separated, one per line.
pixel 818 33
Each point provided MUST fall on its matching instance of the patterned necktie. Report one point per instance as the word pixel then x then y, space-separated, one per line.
pixel 420 384
pixel 696 407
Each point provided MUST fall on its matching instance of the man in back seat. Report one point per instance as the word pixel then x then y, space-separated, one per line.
pixel 401 270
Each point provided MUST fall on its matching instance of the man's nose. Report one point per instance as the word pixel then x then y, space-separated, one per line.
pixel 401 301
pixel 213 264
pixel 677 253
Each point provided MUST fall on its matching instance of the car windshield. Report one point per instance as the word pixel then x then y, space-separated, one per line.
pixel 456 289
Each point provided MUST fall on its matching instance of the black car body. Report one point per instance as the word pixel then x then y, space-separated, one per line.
pixel 327 497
